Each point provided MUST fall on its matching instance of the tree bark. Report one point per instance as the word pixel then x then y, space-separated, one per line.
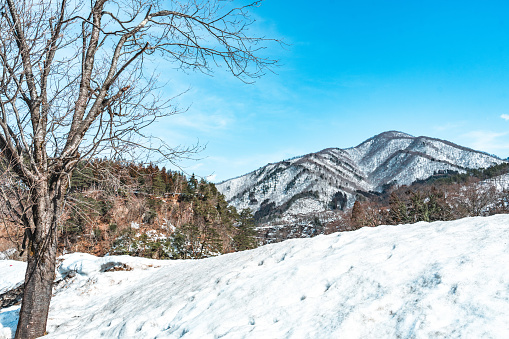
pixel 40 274
pixel 38 288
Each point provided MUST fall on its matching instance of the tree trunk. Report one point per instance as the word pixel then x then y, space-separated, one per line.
pixel 38 286
pixel 40 274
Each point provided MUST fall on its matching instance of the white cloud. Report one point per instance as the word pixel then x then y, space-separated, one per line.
pixel 448 126
pixel 505 116
pixel 202 122
pixel 230 167
pixel 487 141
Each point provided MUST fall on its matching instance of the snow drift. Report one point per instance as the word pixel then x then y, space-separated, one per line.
pixel 426 280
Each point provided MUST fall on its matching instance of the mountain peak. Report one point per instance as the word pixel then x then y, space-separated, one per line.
pixel 393 134
pixel 387 135
pixel 333 177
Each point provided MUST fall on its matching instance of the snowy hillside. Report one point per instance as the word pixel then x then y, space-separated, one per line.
pixel 329 179
pixel 500 182
pixel 436 280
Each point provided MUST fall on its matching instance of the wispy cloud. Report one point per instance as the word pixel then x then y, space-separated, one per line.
pixel 202 122
pixel 487 141
pixel 242 165
pixel 505 116
pixel 211 177
pixel 448 126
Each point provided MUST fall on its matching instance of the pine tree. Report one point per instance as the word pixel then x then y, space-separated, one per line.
pixel 158 186
pixel 245 238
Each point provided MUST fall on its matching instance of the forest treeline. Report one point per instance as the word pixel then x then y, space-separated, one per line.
pixel 443 196
pixel 143 210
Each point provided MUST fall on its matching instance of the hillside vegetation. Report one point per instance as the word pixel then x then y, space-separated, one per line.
pixel 444 196
pixel 119 208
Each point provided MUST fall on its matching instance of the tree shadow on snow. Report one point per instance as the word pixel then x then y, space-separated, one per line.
pixel 9 321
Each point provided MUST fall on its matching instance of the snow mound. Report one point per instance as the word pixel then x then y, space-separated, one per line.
pixel 426 280
pixel 89 265
pixel 12 274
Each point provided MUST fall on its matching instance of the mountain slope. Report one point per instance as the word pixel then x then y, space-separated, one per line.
pixel 332 177
pixel 426 280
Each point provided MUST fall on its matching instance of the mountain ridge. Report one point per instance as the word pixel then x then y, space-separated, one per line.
pixel 312 181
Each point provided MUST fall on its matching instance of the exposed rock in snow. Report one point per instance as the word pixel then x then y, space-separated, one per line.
pixel 426 280
pixel 11 297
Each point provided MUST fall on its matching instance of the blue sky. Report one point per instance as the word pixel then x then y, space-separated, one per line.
pixel 352 69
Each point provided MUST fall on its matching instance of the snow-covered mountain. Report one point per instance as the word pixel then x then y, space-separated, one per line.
pixel 426 280
pixel 330 179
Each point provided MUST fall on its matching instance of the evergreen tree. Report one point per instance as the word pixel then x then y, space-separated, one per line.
pixel 245 238
pixel 158 186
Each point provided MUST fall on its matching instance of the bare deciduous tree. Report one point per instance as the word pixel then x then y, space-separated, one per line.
pixel 474 198
pixel 77 82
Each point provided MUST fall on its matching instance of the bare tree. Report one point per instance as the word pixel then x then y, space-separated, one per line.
pixel 474 198
pixel 77 82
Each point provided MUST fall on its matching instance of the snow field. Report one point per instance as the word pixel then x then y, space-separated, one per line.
pixel 426 280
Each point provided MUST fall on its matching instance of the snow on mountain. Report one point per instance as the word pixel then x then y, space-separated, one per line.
pixel 332 177
pixel 501 182
pixel 426 280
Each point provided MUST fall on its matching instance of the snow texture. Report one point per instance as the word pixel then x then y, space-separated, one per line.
pixel 12 274
pixel 501 182
pixel 426 280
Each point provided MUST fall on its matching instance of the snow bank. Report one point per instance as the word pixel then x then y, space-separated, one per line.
pixel 12 274
pixel 76 272
pixel 426 280
pixel 86 264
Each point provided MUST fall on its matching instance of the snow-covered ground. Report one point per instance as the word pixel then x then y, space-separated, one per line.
pixel 11 274
pixel 426 280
